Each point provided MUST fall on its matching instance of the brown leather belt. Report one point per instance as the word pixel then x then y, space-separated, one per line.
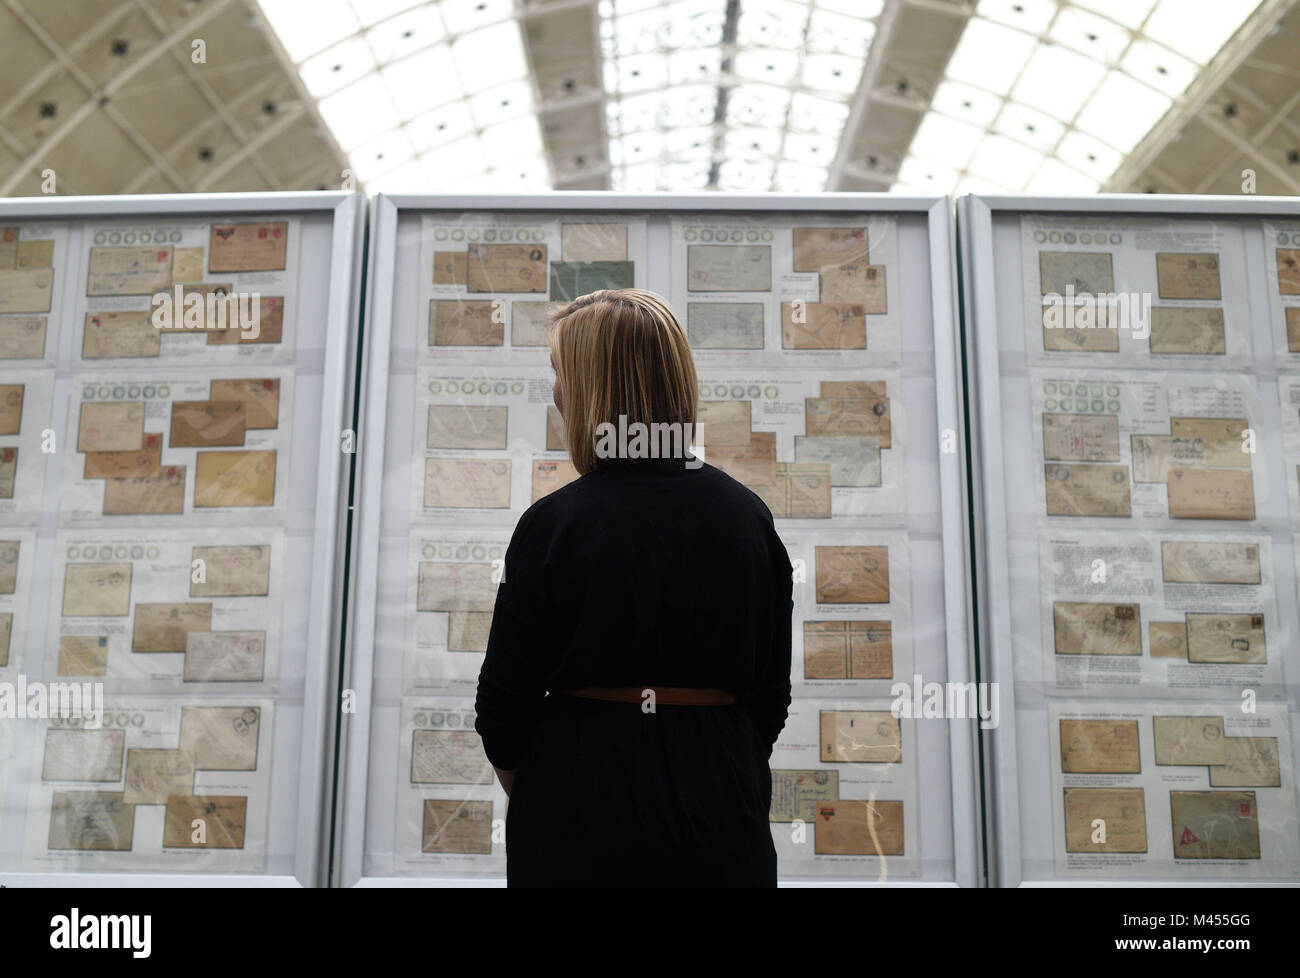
pixel 663 695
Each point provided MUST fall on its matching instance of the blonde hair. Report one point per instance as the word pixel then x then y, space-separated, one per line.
pixel 620 352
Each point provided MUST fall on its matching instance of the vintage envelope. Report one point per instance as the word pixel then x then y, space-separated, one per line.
pixel 1087 490
pixel 225 657
pixel 1188 275
pixel 854 460
pixel 11 408
pixel 468 631
pixel 6 636
pixel 728 268
pixel 847 650
pixel 83 655
pixel 528 321
pixel 724 423
pixel 571 279
pixel 448 757
pixel 1222 438
pixel 9 550
pixel 505 268
pixel 1288 271
pixel 1078 329
pixel 1211 494
pixel 97 590
pixel 1189 740
pixel 816 248
pixel 1252 763
pixel 1215 824
pixel 187 264
pixel 83 755
pixel 9 248
pixel 830 416
pixel 153 774
pixel 235 479
pixel 455 587
pixel 456 322
pixel 857 283
pixel 91 821
pixel 1155 455
pixel 22 337
pixel 270 324
pixel 1167 639
pixel 1226 638
pixel 1293 329
pixel 551 474
pixel 467 426
pixel 753 464
pixel 129 271
pixel 457 826
pixel 200 424
pixel 1100 747
pixel 725 325
pixel 36 254
pixel 1087 271
pixel 8 471
pixel 799 491
pixel 852 575
pixel 232 572
pixel 859 828
pixel 861 737
pixel 467 483
pixel 555 437
pixel 221 738
pixel 1123 814
pixel 26 290
pixel 1081 437
pixel 1187 330
pixel 165 627
pixel 205 822
pixel 110 426
pixel 259 395
pixel 869 389
pixel 824 326
pixel 796 794
pixel 126 465
pixel 449 267
pixel 593 242
pixel 120 335
pixel 1189 562
pixel 1096 628
pixel 253 247
pixel 163 493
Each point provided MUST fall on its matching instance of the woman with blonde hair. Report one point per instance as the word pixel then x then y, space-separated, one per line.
pixel 637 673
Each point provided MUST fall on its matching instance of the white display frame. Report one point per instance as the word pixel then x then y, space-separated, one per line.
pixel 980 311
pixel 386 213
pixel 312 768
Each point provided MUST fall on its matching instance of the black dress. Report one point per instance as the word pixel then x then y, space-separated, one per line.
pixel 642 573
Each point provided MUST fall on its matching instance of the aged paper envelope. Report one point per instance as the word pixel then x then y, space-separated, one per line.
pixel 1187 330
pixel 1086 271
pixel 869 389
pixel 825 326
pixel 153 774
pixel 829 416
pixel 1288 271
pixel 859 828
pixel 126 465
pixel 871 650
pixel 1293 329
pixel 6 636
pixel 26 290
pixel 1228 638
pixel 22 337
pixel 825 651
pixel 1155 455
pixel 463 483
pixel 270 324
pixel 1188 276
pixel 467 426
pixel 163 493
pixel 235 479
pixel 221 738
pixel 1252 763
pixel 468 631
pixel 1168 639
pixel 555 437
pixel 11 408
pixel 457 826
pixel 448 757
pixel 753 464
pixel 83 655
pixel 111 426
pixel 856 282
pixel 255 247
pixel 225 657
pixel 551 474
pixel 571 279
pixel 164 627
pixel 187 265
pixel 1081 437
pixel 1189 562
pixel 505 268
pixel 861 737
pixel 728 268
pixel 8 248
pixel 1189 740
pixel 455 587
pixel 799 491
pixel 83 755
pixel 1075 329
pixel 528 322
pixel 796 794
pixel 1100 747
pixel 98 821
pixel 9 550
pixel 1211 494
pixel 449 267
pixel 456 322
pixel 725 325
pixel 1087 490
pixel 1122 810
pixel 724 423
pixel 1088 628
pixel 593 242
pixel 36 254
pixel 129 271
pixel 1222 438
pixel 232 572
pixel 97 590
pixel 852 575
pixel 219 818
pixel 854 460
pixel 816 248
pixel 199 424
pixel 1215 824
pixel 8 471
pixel 128 333
pixel 259 395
